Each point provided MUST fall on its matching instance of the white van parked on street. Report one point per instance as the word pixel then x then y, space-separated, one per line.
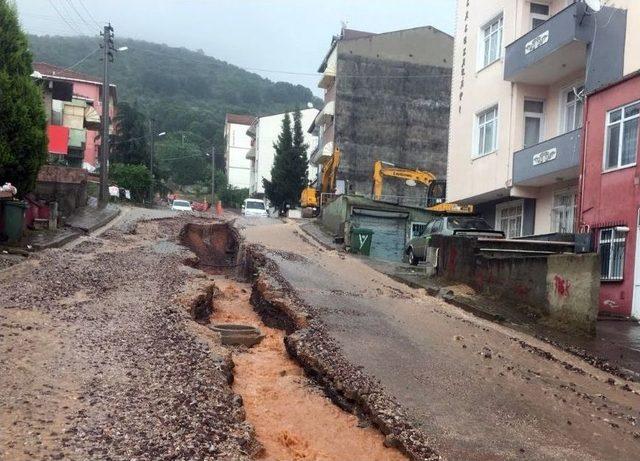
pixel 254 207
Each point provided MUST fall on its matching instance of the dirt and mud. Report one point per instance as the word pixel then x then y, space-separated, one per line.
pixel 99 360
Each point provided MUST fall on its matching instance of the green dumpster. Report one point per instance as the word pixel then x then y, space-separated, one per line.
pixel 360 241
pixel 14 219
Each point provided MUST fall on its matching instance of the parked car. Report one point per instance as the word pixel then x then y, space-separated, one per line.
pixel 472 226
pixel 181 205
pixel 254 207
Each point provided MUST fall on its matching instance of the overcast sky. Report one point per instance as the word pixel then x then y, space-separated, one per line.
pixel 275 35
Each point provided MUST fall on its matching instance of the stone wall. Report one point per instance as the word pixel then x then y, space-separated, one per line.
pixel 562 288
pixel 393 111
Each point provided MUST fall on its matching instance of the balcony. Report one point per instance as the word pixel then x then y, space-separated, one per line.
pixel 551 51
pixel 553 160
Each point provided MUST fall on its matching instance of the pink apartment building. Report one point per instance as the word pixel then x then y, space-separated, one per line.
pixel 73 108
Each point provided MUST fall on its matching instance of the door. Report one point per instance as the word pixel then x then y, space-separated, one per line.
pixel 388 238
pixel 635 309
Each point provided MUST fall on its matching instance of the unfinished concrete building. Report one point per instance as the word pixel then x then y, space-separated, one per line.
pixel 386 98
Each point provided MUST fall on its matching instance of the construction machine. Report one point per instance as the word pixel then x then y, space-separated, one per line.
pixel 311 196
pixel 436 188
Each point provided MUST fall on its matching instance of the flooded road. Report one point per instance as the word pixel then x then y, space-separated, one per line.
pixel 292 418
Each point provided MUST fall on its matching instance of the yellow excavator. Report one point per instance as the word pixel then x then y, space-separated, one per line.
pixel 436 188
pixel 310 196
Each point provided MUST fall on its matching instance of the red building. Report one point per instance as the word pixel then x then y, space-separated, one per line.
pixel 610 192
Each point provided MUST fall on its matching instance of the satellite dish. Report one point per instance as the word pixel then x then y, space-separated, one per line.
pixel 410 182
pixel 594 5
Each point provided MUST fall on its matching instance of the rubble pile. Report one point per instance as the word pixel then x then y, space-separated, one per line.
pixel 145 387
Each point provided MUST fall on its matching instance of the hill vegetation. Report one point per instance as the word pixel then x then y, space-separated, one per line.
pixel 186 92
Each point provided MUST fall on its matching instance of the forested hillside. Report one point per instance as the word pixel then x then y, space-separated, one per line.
pixel 186 91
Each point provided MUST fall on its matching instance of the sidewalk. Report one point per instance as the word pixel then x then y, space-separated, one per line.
pixel 84 221
pixel 615 348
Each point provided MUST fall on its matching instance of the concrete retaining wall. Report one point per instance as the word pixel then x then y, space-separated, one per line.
pixel 67 186
pixel 563 288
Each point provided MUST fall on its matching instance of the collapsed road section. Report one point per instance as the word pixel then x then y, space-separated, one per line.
pixel 321 358
pixel 293 417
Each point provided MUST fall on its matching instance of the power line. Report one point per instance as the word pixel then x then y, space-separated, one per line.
pixel 73 7
pixel 287 72
pixel 82 60
pixel 64 18
pixel 89 13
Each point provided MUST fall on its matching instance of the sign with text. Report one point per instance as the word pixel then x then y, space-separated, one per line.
pixel 536 42
pixel 545 156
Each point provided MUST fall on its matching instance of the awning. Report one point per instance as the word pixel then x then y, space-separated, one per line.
pixel 327 150
pixel 326 114
pixel 91 118
pixel 329 73
pixel 380 213
pixel 58 139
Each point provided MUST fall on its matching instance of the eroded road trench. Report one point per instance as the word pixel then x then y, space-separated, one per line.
pixel 293 417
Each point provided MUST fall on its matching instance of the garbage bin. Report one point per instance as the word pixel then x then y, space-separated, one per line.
pixel 14 212
pixel 360 241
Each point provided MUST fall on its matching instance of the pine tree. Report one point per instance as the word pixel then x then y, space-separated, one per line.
pixel 23 140
pixel 301 171
pixel 289 171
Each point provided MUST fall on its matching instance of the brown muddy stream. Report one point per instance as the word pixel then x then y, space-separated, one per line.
pixel 293 419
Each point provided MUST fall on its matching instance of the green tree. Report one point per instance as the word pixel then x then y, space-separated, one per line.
pixel 289 171
pixel 135 178
pixel 182 162
pixel 23 139
pixel 301 164
pixel 130 142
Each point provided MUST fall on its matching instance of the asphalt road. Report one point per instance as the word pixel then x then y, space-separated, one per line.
pixel 480 390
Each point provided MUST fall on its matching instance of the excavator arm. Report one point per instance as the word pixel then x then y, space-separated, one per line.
pixel 382 170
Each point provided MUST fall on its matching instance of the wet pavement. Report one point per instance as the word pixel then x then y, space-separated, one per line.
pixel 481 391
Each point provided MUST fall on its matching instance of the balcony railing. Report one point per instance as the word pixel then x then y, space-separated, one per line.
pixel 551 51
pixel 550 161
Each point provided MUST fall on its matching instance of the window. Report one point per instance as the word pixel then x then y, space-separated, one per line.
pixel 562 213
pixel 491 42
pixel 612 243
pixel 509 218
pixel 622 136
pixel 533 118
pixel 417 229
pixel 487 131
pixel 539 14
pixel 573 100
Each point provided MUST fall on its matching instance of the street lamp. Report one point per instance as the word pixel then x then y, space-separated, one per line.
pixel 151 155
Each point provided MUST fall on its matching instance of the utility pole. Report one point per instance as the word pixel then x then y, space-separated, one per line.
pixel 107 58
pixel 213 176
pixel 152 133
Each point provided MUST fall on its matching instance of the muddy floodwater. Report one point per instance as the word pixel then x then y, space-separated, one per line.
pixel 293 419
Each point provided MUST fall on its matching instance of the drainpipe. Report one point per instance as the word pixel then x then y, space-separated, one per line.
pixel 583 167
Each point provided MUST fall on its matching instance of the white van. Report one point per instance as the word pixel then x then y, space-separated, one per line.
pixel 254 207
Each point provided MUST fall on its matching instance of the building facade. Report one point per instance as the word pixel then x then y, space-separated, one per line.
pixel 73 108
pixel 264 133
pixel 386 97
pixel 610 192
pixel 522 70
pixel 237 144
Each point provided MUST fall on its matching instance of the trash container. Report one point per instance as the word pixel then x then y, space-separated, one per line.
pixel 14 212
pixel 360 241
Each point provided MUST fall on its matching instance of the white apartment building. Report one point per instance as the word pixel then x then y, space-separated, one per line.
pixel 238 143
pixel 265 131
pixel 521 73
